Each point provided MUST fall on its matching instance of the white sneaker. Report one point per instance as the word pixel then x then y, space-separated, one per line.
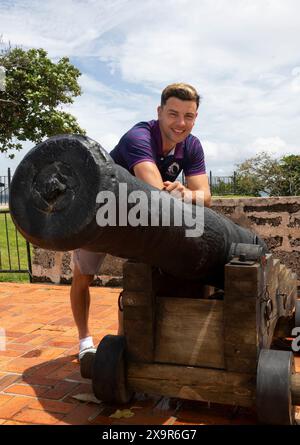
pixel 90 349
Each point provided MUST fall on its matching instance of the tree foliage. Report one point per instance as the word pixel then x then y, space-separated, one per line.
pixel 290 168
pixel 34 92
pixel 263 174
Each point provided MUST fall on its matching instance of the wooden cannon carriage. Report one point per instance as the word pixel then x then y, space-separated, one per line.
pixel 222 347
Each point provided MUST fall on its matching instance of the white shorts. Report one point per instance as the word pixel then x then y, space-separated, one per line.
pixel 89 263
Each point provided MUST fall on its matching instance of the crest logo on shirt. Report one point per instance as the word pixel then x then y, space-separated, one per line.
pixel 173 169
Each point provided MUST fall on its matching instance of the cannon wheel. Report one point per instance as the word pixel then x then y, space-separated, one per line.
pixel 87 365
pixel 109 370
pixel 273 392
pixel 297 314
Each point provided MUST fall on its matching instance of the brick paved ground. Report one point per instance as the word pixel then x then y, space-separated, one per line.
pixel 39 371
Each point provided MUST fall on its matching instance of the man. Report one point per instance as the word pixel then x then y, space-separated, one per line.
pixel 155 152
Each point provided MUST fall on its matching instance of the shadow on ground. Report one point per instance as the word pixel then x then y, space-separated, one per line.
pixel 57 385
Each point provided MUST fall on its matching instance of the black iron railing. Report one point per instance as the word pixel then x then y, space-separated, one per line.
pixel 4 188
pixel 219 185
pixel 223 185
pixel 15 255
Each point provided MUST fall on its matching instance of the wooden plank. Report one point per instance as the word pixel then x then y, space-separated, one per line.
pixel 139 311
pixel 137 277
pixel 242 356
pixel 237 336
pixel 243 288
pixel 140 340
pixel 267 328
pixel 293 295
pixel 133 298
pixel 241 273
pixel 286 315
pixel 286 302
pixel 272 279
pixel 139 332
pixel 247 306
pixel 193 383
pixel 189 332
pixel 287 291
pixel 265 286
pixel 242 364
pixel 239 318
pixel 282 290
pixel 242 350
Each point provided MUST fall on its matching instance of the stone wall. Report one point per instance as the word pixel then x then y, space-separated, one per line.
pixel 276 220
pixel 56 267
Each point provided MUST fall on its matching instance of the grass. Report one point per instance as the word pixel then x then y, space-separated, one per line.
pixel 16 261
pixel 231 196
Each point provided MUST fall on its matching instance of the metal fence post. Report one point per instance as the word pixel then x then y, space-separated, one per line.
pixel 9 178
pixel 234 182
pixel 210 182
pixel 29 261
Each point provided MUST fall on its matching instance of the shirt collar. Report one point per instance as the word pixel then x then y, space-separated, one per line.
pixel 157 136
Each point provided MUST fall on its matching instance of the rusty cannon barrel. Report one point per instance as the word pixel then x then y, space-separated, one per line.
pixel 68 193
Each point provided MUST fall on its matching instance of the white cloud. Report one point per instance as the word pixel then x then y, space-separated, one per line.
pixel 222 38
pixel 272 145
pixel 222 158
pixel 295 84
pixel 242 56
pixel 106 114
pixel 66 27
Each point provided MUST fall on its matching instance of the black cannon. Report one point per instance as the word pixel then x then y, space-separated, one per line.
pixel 224 347
pixel 53 202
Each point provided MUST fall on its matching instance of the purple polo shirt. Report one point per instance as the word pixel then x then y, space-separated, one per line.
pixel 143 142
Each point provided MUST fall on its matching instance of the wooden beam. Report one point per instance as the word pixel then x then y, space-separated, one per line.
pixel 139 311
pixel 243 287
pixel 137 277
pixel 193 383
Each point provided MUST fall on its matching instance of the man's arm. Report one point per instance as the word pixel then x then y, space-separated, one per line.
pixel 148 172
pixel 200 182
pixel 194 183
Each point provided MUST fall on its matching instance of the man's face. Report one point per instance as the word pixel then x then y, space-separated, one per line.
pixel 176 119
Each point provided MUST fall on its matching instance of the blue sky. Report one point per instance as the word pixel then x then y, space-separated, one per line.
pixel 242 56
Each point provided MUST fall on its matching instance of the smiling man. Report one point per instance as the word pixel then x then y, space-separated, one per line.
pixel 155 152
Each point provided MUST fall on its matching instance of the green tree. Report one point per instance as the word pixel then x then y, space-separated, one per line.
pixel 264 174
pixel 258 175
pixel 31 99
pixel 290 168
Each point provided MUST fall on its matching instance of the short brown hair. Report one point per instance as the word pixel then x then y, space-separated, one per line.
pixel 182 91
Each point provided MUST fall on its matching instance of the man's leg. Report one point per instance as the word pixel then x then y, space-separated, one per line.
pixel 86 265
pixel 80 301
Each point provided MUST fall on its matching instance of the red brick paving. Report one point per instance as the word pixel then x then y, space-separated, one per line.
pixel 39 371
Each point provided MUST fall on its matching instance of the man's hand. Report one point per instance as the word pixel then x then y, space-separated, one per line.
pixel 175 188
pixel 179 191
pixel 197 191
